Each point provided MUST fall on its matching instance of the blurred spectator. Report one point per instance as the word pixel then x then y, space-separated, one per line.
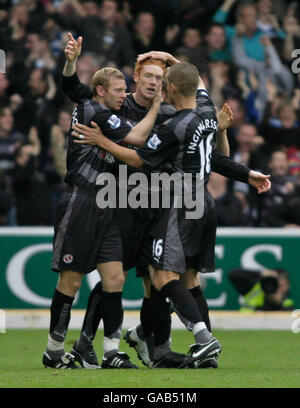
pixel 36 14
pixel 249 152
pixel 223 76
pixel 15 102
pixel 58 136
pixel 267 21
pixel 86 66
pixel 282 132
pixel 282 190
pixel 246 27
pixel 239 117
pixel 248 149
pixel 192 47
pixel 144 38
pixel 102 35
pixel 266 290
pixel 215 43
pixel 229 207
pixel 33 197
pixel 6 199
pixel 271 68
pixel 292 29
pixel 38 107
pixel 10 140
pixel 39 55
pixel 4 84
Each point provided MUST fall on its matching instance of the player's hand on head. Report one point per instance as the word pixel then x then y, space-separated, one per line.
pixel 159 55
pixel 87 135
pixel 225 117
pixel 260 181
pixel 73 48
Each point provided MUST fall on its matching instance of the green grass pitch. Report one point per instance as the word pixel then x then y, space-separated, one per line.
pixel 249 359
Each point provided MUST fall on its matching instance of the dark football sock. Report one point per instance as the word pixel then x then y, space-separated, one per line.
pixel 188 308
pixel 112 314
pixel 60 315
pixel 201 301
pixel 145 329
pixel 92 317
pixel 161 312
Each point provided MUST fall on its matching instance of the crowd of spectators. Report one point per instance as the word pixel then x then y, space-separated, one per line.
pixel 243 50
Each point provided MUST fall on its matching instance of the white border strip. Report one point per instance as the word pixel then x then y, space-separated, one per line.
pixel 226 320
pixel 258 232
pixel 221 232
pixel 27 231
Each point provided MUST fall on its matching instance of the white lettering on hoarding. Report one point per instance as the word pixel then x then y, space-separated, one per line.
pixel 248 260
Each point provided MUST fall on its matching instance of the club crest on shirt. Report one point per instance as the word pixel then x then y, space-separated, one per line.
pixel 114 121
pixel 154 142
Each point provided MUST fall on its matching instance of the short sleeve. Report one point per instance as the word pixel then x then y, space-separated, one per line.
pixel 114 127
pixel 160 148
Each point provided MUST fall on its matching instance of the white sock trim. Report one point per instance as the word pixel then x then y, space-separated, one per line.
pixel 110 344
pixel 198 327
pixel 54 345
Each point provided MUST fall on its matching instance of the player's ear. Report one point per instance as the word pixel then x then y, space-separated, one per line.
pixel 173 87
pixel 136 76
pixel 100 90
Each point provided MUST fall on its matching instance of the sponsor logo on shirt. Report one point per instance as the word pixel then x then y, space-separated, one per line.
pixel 154 142
pixel 114 122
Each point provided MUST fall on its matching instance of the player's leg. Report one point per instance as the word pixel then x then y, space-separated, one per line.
pixel 83 348
pixel 70 261
pixel 140 337
pixel 112 313
pixel 152 336
pixel 191 282
pixel 169 284
pixel 68 284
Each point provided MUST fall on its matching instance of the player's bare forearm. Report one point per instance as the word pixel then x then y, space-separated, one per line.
pixel 94 136
pixel 128 156
pixel 69 68
pixel 222 142
pixel 139 133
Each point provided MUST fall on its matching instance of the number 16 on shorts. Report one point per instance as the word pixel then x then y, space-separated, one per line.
pixel 157 249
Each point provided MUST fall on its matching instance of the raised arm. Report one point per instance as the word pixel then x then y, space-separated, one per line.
pixel 71 84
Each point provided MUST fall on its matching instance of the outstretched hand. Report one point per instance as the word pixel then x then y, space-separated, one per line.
pixel 260 181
